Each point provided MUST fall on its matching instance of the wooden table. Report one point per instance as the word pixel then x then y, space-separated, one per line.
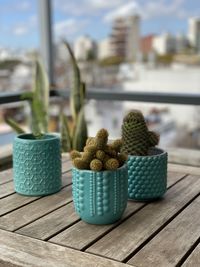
pixel 45 231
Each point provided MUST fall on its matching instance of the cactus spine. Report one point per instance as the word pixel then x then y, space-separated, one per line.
pixel 98 155
pixel 136 137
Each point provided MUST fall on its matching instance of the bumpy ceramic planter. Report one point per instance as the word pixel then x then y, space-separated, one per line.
pixel 147 175
pixel 37 165
pixel 100 197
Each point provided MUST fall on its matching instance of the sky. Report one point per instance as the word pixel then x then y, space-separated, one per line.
pixel 19 22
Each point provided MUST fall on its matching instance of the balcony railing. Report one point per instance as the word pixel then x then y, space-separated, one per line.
pixel 117 95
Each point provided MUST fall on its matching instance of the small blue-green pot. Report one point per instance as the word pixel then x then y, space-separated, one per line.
pixel 37 165
pixel 100 197
pixel 147 175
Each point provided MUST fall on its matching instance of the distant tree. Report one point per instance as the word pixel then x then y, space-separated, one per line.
pixel 91 56
pixel 165 59
pixel 9 64
pixel 113 60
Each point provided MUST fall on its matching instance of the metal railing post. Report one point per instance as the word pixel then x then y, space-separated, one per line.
pixel 46 44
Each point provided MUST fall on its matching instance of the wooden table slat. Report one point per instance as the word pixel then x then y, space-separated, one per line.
pixel 6 189
pixel 6 176
pixel 54 222
pixel 46 231
pixel 82 234
pixel 194 259
pixel 17 250
pixel 66 166
pixel 35 210
pixel 184 169
pixel 15 201
pixel 173 242
pixel 129 235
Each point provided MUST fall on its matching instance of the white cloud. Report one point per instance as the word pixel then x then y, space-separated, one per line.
pixel 160 8
pixel 20 30
pixel 149 10
pixel 85 7
pixel 123 11
pixel 24 5
pixel 103 4
pixel 68 28
pixel 24 28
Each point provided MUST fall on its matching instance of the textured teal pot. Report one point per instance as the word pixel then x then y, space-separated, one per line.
pixel 37 165
pixel 100 197
pixel 147 175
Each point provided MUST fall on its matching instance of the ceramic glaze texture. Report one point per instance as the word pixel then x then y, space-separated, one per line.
pixel 147 175
pixel 37 165
pixel 100 197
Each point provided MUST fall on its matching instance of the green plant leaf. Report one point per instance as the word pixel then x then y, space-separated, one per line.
pixel 40 100
pixel 27 96
pixel 75 96
pixel 80 135
pixel 14 125
pixel 65 134
pixel 82 93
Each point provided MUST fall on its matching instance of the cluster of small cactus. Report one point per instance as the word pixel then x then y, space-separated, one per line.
pixel 137 139
pixel 98 155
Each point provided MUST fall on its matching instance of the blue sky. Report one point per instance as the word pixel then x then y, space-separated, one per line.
pixel 19 25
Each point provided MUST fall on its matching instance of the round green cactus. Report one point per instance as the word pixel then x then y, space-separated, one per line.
pixel 87 156
pixel 75 154
pixel 153 138
pixel 89 141
pixel 80 164
pixel 111 164
pixel 135 135
pixel 96 165
pixel 110 151
pixel 90 148
pixel 122 158
pixel 100 154
pixel 103 133
pixel 116 145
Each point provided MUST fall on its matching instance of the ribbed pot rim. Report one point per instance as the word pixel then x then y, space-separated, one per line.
pixel 156 152
pixel 106 171
pixel 27 138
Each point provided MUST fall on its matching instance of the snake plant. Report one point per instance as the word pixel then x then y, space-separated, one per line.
pixel 39 102
pixel 75 137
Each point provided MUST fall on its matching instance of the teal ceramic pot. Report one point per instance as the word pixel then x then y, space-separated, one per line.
pixel 37 165
pixel 100 197
pixel 147 175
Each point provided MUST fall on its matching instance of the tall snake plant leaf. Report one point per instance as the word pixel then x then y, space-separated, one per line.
pixel 80 135
pixel 82 93
pixel 65 134
pixel 40 100
pixel 14 125
pixel 75 96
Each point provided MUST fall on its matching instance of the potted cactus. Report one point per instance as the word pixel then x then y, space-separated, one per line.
pixel 100 180
pixel 147 165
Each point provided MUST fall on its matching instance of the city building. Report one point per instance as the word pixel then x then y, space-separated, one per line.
pixel 194 33
pixel 125 37
pixel 164 44
pixel 133 38
pixel 181 43
pixel 146 44
pixel 83 47
pixel 104 48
